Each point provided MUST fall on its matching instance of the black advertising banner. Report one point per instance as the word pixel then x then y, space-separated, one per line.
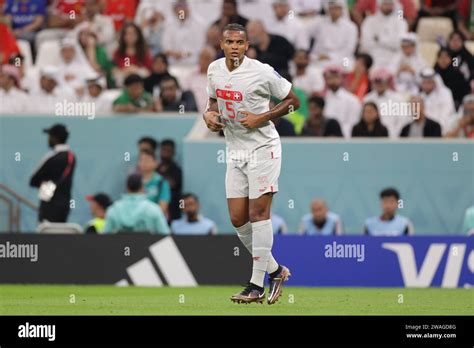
pixel 123 259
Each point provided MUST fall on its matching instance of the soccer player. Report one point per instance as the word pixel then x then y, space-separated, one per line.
pixel 239 91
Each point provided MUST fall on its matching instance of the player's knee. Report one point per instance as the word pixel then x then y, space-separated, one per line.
pixel 259 214
pixel 238 220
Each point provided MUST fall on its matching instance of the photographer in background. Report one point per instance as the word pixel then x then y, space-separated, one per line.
pixel 54 177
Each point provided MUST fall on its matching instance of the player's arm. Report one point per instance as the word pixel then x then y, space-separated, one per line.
pixel 289 104
pixel 211 116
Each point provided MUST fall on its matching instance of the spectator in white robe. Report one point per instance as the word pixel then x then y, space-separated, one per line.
pixel 407 65
pixel 307 8
pixel 152 23
pixel 207 10
pixel 95 94
pixel 284 22
pixel 29 76
pixel 306 76
pixel 389 102
pixel 163 8
pixel 196 81
pixel 184 35
pixel 102 26
pixel 439 103
pixel 254 9
pixel 52 91
pixel 341 104
pixel 74 67
pixel 335 37
pixel 381 33
pixel 12 99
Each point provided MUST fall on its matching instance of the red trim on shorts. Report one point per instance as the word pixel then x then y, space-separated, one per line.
pixel 271 187
pixel 272 154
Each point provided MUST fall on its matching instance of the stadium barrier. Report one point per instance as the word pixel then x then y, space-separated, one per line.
pixel 434 178
pixel 147 260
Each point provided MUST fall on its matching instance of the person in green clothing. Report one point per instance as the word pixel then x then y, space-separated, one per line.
pixel 134 98
pixel 96 54
pixel 157 188
pixel 134 212
pixel 98 206
pixel 298 116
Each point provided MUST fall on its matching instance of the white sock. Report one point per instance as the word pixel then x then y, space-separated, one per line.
pixel 262 234
pixel 244 233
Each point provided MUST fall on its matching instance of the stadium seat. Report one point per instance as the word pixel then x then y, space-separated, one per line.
pixel 428 52
pixel 432 28
pixel 470 46
pixel 25 50
pixel 59 228
pixel 48 54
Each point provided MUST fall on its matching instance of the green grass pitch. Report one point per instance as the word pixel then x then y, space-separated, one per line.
pixel 214 300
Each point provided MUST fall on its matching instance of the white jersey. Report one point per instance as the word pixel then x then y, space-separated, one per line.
pixel 249 87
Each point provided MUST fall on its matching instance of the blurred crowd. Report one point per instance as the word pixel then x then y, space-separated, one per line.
pixel 361 68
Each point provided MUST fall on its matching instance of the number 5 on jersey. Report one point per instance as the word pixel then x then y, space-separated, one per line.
pixel 229 106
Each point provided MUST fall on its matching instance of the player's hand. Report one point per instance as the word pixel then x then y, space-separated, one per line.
pixel 211 119
pixel 250 120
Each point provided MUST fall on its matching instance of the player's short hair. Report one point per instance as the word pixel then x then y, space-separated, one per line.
pixel 190 195
pixel 168 142
pixel 235 27
pixel 132 79
pixel 147 152
pixel 390 192
pixel 150 141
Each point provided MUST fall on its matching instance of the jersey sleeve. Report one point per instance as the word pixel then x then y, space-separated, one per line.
pixel 211 90
pixel 279 87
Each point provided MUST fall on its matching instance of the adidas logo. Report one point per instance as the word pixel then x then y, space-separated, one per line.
pixel 172 266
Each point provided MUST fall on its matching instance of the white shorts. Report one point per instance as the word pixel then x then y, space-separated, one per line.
pixel 256 176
